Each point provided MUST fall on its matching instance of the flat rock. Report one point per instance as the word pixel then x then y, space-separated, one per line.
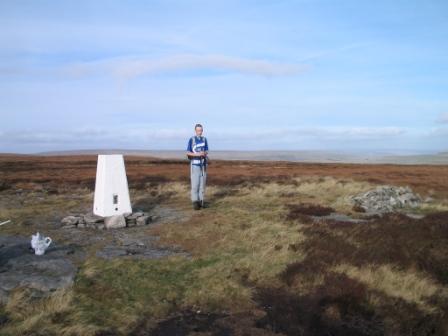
pixel 137 244
pixel 20 267
pixel 70 220
pixel 340 218
pixel 134 216
pixel 144 252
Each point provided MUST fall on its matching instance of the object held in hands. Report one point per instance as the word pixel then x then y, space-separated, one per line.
pixel 191 157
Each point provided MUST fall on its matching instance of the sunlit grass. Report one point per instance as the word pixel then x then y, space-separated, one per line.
pixel 410 285
pixel 242 240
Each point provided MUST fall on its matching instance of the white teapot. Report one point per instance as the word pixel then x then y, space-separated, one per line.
pixel 40 243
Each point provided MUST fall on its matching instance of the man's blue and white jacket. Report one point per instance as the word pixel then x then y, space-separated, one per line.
pixel 197 144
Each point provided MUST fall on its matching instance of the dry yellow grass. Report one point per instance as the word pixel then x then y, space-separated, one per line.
pixel 242 240
pixel 31 315
pixel 410 285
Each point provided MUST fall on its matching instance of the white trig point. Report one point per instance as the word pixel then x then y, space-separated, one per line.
pixel 111 187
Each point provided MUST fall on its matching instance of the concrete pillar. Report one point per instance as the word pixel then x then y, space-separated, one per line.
pixel 111 187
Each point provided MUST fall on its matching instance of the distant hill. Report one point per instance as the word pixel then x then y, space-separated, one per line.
pixel 318 156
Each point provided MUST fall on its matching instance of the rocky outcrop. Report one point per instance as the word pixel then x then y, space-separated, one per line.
pixel 93 221
pixel 42 274
pixel 386 198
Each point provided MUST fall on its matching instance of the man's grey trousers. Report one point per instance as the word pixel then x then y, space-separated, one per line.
pixel 197 182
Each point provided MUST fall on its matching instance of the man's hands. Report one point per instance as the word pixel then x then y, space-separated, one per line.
pixel 199 154
pixel 204 154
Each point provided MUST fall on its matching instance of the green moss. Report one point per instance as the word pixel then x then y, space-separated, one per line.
pixel 154 287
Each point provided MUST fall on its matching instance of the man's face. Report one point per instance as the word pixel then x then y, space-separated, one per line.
pixel 198 131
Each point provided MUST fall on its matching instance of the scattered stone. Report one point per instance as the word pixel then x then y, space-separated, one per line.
pixel 93 221
pixel 385 199
pixel 143 220
pixel 415 216
pixel 69 226
pixel 70 220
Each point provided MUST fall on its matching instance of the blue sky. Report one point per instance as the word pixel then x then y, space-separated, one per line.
pixel 279 75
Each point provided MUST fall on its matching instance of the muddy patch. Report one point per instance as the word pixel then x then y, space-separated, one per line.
pixel 308 209
pixel 225 192
pixel 165 214
pixel 338 307
pixel 342 306
pixel 190 322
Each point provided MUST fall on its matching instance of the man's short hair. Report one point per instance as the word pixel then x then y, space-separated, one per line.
pixel 198 125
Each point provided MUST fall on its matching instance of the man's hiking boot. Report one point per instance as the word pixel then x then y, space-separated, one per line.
pixel 196 205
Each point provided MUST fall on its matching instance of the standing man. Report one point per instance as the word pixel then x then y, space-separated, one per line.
pixel 197 151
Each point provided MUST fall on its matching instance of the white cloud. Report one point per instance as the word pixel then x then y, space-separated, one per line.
pixel 441 132
pixel 340 133
pixel 442 118
pixel 136 137
pixel 131 67
pixel 333 51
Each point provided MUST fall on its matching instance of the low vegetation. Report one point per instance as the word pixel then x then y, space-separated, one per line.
pixel 259 264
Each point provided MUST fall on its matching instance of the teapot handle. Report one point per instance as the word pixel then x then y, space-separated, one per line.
pixel 48 241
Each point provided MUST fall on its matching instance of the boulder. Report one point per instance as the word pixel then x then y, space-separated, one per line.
pixel 115 222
